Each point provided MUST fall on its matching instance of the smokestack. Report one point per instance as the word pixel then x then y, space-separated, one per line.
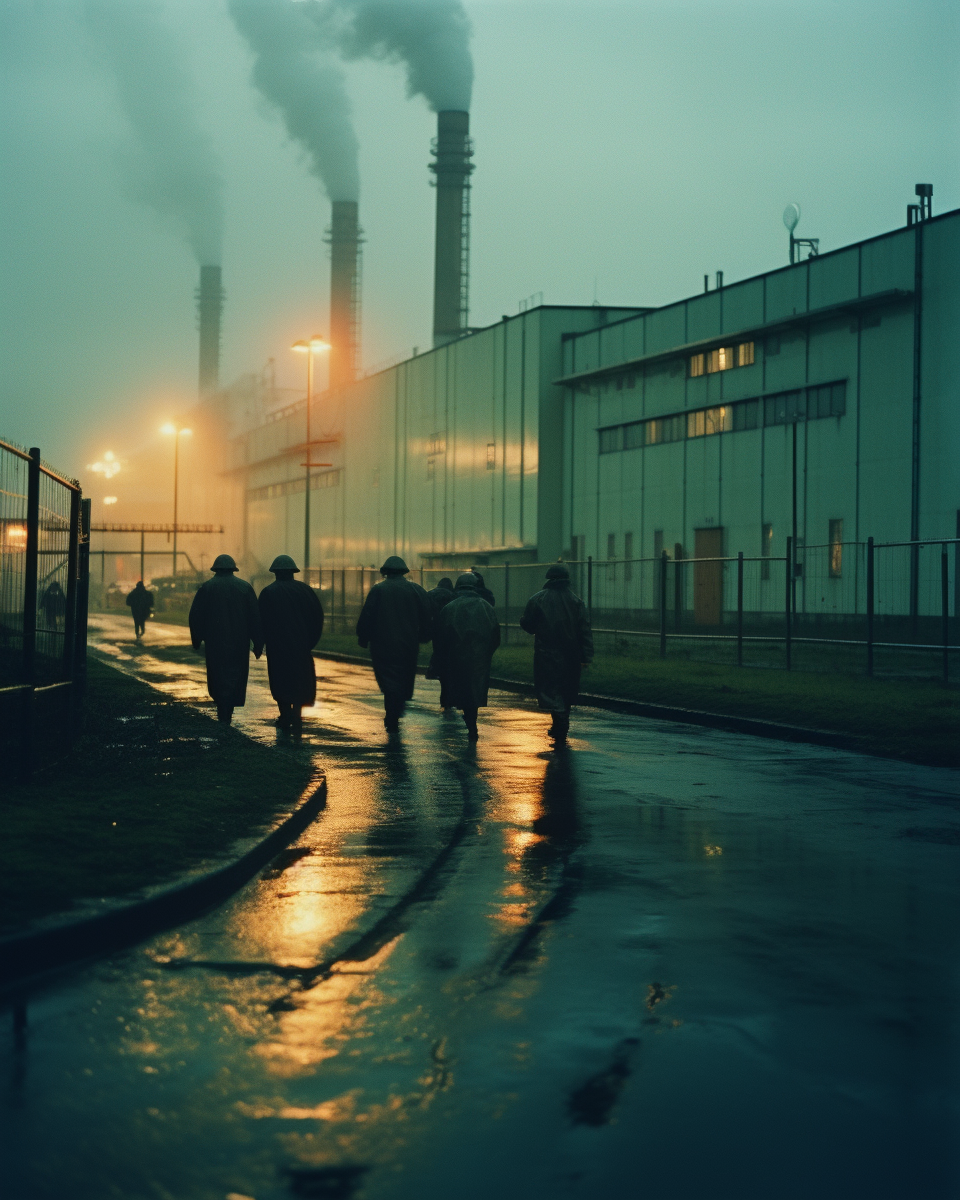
pixel 344 240
pixel 209 307
pixel 452 152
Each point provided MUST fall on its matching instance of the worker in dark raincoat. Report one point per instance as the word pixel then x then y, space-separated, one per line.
pixel 292 619
pixel 54 605
pixel 563 644
pixel 482 590
pixel 225 620
pixel 465 635
pixel 440 595
pixel 396 617
pixel 140 602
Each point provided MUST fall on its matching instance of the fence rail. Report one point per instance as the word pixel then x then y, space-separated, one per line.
pixel 44 574
pixel 859 600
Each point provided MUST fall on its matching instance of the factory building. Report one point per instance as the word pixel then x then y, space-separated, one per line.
pixel 818 402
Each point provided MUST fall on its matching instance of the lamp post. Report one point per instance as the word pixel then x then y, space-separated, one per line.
pixel 176 430
pixel 309 347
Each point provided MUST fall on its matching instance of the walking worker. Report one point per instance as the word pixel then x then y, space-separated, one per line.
pixel 466 633
pixel 482 590
pixel 225 620
pixel 396 617
pixel 563 644
pixel 441 595
pixel 292 619
pixel 140 602
pixel 54 606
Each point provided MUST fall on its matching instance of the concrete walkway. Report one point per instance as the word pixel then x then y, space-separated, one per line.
pixel 670 962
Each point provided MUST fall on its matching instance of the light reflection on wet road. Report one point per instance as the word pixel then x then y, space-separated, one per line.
pixel 669 962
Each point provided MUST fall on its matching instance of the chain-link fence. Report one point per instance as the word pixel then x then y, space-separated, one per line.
pixel 43 597
pixel 848 606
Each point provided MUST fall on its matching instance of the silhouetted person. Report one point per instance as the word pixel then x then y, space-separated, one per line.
pixel 441 595
pixel 140 602
pixel 482 590
pixel 465 635
pixel 225 619
pixel 54 605
pixel 292 619
pixel 563 644
pixel 396 617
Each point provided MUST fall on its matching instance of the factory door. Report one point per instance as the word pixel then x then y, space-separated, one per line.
pixel 708 577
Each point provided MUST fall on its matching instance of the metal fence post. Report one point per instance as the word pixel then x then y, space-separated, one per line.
pixel 506 603
pixel 83 597
pixel 740 609
pixel 945 610
pixel 70 617
pixel 31 568
pixel 664 559
pixel 870 605
pixel 590 588
pixel 788 606
pixel 677 586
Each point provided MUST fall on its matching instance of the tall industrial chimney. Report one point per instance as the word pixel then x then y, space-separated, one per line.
pixel 452 152
pixel 209 307
pixel 344 239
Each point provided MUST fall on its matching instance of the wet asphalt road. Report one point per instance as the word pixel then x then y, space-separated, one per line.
pixel 668 963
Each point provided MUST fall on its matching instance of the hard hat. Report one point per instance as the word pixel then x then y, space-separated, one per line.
pixel 558 571
pixel 223 562
pixel 396 564
pixel 467 581
pixel 283 562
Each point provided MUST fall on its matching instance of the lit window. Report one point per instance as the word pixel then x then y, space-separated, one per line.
pixel 696 424
pixel 696 365
pixel 745 354
pixel 610 439
pixel 491 456
pixel 836 547
pixel 721 359
pixel 718 420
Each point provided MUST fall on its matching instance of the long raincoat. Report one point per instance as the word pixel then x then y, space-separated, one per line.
pixel 558 620
pixel 140 602
pixel 224 617
pixel 466 633
pixel 396 617
pixel 292 619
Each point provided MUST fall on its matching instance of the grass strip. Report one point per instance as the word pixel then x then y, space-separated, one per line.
pixel 914 720
pixel 149 789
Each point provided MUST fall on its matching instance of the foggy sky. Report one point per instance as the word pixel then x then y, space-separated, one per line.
pixel 623 150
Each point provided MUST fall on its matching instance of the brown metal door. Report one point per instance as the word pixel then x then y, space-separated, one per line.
pixel 708 577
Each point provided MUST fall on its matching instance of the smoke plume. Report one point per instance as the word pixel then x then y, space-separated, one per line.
pixel 431 37
pixel 292 70
pixel 173 166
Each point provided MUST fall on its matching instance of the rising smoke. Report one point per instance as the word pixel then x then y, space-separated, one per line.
pixel 173 166
pixel 430 37
pixel 293 70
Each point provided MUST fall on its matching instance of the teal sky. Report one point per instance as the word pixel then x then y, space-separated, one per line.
pixel 623 150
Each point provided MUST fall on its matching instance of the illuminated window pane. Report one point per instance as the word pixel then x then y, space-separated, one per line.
pixel 696 424
pixel 491 456
pixel 696 364
pixel 836 548
pixel 745 354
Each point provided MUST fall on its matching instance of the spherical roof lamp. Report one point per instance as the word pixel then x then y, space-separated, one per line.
pixel 791 216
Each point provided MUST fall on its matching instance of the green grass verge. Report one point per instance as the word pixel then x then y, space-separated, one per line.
pixel 150 788
pixel 917 720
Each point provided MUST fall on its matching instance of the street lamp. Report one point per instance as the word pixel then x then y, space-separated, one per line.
pixel 310 347
pixel 171 428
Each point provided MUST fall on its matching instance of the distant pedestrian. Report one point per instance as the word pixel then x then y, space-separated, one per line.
pixel 292 619
pixel 440 595
pixel 466 633
pixel 140 602
pixel 396 617
pixel 563 645
pixel 225 620
pixel 482 590
pixel 54 605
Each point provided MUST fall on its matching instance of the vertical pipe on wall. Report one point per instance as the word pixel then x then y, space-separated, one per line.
pixel 70 623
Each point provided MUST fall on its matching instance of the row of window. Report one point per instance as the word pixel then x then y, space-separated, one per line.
pixel 290 487
pixel 724 358
pixel 783 408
